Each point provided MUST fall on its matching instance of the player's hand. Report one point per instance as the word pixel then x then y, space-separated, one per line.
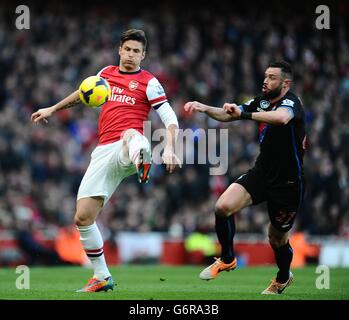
pixel 170 160
pixel 194 106
pixel 232 109
pixel 42 115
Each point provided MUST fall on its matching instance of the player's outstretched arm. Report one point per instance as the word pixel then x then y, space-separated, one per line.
pixel 169 157
pixel 44 113
pixel 170 121
pixel 279 117
pixel 218 114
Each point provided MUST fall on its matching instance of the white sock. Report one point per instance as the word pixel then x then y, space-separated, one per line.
pixel 92 243
pixel 135 144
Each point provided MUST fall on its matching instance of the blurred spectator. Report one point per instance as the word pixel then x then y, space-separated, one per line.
pixel 200 246
pixel 68 246
pixel 302 250
pixel 33 245
pixel 214 54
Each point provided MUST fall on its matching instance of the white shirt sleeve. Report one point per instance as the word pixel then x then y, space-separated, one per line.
pixel 155 93
pixel 167 115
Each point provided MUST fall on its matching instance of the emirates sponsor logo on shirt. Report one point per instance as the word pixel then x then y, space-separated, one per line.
pixel 133 85
pixel 118 95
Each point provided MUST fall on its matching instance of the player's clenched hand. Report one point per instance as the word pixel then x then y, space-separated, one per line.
pixel 42 115
pixel 194 106
pixel 232 109
pixel 170 160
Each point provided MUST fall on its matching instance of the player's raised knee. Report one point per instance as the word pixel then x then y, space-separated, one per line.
pixel 128 134
pixel 82 220
pixel 223 209
pixel 78 220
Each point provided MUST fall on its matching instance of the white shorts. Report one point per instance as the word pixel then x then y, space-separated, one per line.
pixel 105 172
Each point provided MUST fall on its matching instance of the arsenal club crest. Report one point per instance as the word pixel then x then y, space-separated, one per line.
pixel 133 85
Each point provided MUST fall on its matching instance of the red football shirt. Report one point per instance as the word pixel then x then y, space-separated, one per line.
pixel 132 96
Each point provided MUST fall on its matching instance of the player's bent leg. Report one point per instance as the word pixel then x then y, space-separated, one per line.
pixel 125 157
pixel 136 149
pixel 277 238
pixel 234 199
pixel 87 210
pixel 283 255
pixel 231 201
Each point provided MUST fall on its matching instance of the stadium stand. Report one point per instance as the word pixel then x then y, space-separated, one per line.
pixel 212 54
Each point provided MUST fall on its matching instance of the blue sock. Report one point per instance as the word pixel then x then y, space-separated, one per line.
pixel 283 256
pixel 225 229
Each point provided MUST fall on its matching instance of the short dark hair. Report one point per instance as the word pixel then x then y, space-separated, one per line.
pixel 134 34
pixel 286 68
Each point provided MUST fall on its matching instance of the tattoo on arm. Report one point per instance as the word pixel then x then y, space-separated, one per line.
pixel 72 103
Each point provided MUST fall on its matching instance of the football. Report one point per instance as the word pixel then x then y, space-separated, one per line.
pixel 94 91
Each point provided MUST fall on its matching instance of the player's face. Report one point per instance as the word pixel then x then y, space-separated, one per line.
pixel 131 54
pixel 273 83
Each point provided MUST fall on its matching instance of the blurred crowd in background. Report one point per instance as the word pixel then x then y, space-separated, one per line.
pixel 213 54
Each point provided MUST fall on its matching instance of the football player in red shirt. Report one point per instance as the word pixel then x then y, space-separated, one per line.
pixel 122 148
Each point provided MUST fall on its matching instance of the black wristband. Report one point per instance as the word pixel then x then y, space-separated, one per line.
pixel 246 115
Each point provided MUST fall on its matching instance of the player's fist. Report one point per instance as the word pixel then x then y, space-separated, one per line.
pixel 232 109
pixel 194 106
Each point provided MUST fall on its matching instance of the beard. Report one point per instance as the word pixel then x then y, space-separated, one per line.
pixel 272 94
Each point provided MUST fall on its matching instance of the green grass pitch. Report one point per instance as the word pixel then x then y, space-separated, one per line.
pixel 156 282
